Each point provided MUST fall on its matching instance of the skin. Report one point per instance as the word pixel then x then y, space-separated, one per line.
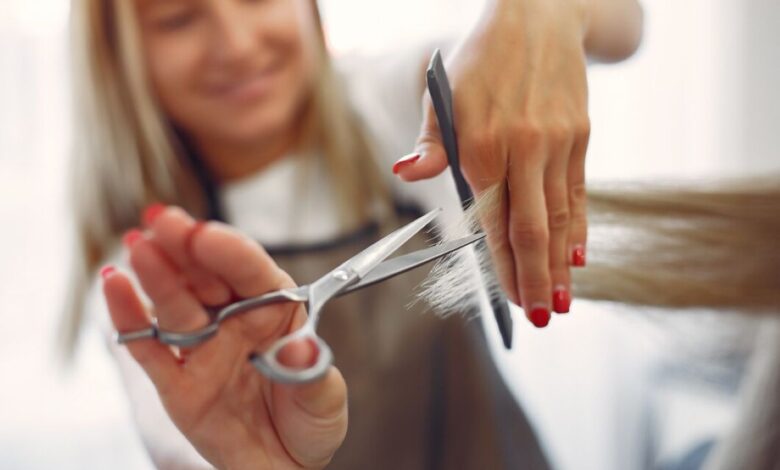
pixel 520 97
pixel 183 266
pixel 236 76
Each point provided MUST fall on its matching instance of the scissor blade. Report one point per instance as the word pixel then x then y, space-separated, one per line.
pixel 368 259
pixel 401 264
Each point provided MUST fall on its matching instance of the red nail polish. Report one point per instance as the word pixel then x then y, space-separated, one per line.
pixel 578 256
pixel 405 161
pixel 131 237
pixel 151 213
pixel 561 301
pixel 540 317
pixel 106 271
pixel 199 225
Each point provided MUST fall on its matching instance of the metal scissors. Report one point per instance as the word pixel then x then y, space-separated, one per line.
pixel 441 97
pixel 368 267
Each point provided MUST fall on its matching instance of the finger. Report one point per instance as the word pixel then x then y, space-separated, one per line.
pixel 312 418
pixel 236 259
pixel 492 210
pixel 171 228
pixel 299 354
pixel 175 307
pixel 578 230
pixel 529 236
pixel 129 314
pixel 558 215
pixel 429 157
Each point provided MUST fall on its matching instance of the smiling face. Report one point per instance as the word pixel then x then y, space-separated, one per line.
pixel 235 72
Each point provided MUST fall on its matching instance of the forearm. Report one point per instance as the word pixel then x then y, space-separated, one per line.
pixel 614 29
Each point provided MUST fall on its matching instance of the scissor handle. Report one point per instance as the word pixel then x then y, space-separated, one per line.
pixel 268 362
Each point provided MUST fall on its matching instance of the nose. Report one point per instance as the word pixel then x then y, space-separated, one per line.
pixel 233 33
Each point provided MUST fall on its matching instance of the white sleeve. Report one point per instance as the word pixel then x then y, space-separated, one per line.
pixel 167 446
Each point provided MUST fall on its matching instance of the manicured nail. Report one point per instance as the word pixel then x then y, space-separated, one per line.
pixel 131 237
pixel 578 256
pixel 151 213
pixel 540 317
pixel 106 271
pixel 405 161
pixel 561 300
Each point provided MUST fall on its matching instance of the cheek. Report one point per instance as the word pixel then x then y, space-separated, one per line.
pixel 170 70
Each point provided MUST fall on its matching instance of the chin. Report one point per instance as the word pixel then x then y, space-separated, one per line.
pixel 257 126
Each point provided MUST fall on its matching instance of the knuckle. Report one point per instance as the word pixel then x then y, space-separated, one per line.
pixel 528 135
pixel 582 129
pixel 529 235
pixel 559 218
pixel 559 132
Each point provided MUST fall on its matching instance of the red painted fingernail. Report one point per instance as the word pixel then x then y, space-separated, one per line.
pixel 199 225
pixel 578 256
pixel 561 300
pixel 106 271
pixel 540 317
pixel 151 213
pixel 405 161
pixel 131 237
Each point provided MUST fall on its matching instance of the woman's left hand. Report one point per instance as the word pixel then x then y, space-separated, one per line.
pixel 521 114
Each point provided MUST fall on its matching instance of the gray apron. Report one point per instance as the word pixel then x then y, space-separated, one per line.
pixel 424 392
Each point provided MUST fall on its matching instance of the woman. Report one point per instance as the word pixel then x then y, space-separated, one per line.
pixel 231 111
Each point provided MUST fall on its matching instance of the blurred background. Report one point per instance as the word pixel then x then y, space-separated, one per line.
pixel 603 387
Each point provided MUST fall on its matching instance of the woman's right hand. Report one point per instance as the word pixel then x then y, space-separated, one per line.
pixel 234 416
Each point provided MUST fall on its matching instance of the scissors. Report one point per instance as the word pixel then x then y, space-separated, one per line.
pixel 368 267
pixel 441 97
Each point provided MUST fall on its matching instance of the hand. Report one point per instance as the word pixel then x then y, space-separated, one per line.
pixel 520 99
pixel 234 416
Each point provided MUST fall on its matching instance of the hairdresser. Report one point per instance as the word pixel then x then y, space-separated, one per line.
pixel 233 111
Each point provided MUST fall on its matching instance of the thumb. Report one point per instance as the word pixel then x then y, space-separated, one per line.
pixel 312 418
pixel 429 157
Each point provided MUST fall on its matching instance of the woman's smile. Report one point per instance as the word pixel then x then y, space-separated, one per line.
pixel 249 88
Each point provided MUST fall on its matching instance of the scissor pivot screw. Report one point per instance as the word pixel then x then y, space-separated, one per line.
pixel 341 275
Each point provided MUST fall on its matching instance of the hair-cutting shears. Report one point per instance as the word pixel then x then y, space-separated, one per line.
pixel 368 267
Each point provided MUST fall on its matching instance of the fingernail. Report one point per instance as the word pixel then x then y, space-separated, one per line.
pixel 151 213
pixel 106 271
pixel 540 317
pixel 405 161
pixel 561 300
pixel 131 237
pixel 578 256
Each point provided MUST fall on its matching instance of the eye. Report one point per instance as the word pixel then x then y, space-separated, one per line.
pixel 175 20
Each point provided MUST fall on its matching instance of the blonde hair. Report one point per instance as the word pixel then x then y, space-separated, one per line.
pixel 127 155
pixel 711 244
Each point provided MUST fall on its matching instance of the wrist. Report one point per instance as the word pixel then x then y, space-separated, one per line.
pixel 574 15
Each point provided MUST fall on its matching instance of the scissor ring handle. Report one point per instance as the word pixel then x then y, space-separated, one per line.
pixel 268 363
pixel 187 339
